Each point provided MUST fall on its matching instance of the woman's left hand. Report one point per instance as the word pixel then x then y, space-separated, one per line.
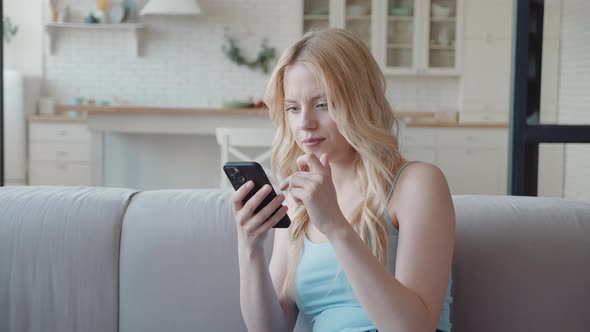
pixel 312 186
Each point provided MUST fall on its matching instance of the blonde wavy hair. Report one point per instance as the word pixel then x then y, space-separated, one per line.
pixel 355 90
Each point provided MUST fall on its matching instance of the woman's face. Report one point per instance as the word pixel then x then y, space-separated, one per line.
pixel 307 116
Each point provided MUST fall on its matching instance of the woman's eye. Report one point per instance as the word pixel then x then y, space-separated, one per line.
pixel 291 109
pixel 322 106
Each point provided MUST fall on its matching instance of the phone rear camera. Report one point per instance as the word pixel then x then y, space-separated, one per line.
pixel 240 179
pixel 232 171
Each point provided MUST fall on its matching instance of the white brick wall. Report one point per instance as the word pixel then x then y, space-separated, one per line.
pixel 181 62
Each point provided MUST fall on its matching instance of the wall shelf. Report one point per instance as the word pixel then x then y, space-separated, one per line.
pixel 54 28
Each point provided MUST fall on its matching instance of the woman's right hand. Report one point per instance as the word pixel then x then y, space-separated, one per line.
pixel 253 228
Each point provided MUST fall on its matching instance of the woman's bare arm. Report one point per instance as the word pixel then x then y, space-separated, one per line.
pixel 412 299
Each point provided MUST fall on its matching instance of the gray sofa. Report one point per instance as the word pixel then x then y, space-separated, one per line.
pixel 107 259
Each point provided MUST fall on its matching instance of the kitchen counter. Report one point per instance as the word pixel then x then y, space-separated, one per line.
pixel 436 124
pixel 104 120
pixel 417 119
pixel 139 110
pixel 54 118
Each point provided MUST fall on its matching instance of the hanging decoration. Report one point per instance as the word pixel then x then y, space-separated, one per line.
pixel 262 61
pixel 9 29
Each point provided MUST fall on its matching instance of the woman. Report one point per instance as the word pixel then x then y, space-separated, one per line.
pixel 359 255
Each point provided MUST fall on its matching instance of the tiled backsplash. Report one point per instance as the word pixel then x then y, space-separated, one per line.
pixel 181 63
pixel 423 94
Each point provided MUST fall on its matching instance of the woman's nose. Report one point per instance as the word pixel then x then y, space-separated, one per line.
pixel 308 119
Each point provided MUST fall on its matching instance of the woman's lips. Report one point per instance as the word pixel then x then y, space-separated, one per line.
pixel 311 142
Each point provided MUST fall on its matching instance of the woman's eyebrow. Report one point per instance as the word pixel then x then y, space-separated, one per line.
pixel 321 96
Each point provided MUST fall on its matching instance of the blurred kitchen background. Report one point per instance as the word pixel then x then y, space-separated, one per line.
pixel 132 93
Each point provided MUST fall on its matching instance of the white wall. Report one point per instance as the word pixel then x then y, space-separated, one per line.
pixel 551 156
pixel 24 53
pixel 574 99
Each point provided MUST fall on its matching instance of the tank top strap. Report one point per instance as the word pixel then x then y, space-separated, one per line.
pixel 388 197
pixel 384 212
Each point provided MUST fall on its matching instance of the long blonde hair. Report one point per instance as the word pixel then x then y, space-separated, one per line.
pixel 355 90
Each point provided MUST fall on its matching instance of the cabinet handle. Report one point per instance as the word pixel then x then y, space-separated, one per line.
pixel 61 153
pixel 62 167
pixel 62 132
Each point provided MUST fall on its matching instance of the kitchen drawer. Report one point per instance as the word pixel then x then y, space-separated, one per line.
pixel 427 155
pixel 472 138
pixel 76 132
pixel 417 137
pixel 474 171
pixel 59 173
pixel 59 151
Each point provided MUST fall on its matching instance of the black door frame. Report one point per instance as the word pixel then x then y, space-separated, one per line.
pixel 526 132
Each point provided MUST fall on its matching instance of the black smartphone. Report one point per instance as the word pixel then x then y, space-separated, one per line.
pixel 240 172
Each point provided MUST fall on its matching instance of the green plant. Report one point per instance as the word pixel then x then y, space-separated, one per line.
pixel 262 61
pixel 9 28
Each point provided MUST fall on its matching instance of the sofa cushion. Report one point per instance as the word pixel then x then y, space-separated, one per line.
pixel 521 264
pixel 59 250
pixel 179 263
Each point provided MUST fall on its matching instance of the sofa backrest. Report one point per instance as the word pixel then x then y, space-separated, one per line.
pixel 59 258
pixel 179 263
pixel 521 264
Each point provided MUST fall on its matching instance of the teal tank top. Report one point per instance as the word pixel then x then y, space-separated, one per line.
pixel 324 295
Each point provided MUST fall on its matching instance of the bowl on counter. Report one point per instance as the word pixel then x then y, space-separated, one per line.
pixel 237 104
pixel 317 11
pixel 440 11
pixel 400 11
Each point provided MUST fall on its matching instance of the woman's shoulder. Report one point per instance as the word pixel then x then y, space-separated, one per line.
pixel 418 172
pixel 419 185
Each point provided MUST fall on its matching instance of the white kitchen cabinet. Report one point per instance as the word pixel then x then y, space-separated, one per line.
pixel 357 16
pixel 406 37
pixel 485 19
pixel 474 161
pixel 59 153
pixel 487 59
pixel 486 76
pixel 420 37
pixel 425 154
pixel 474 170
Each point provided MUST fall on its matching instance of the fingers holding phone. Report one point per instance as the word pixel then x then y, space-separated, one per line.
pixel 256 206
pixel 253 225
pixel 248 179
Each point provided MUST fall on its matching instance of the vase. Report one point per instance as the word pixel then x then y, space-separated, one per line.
pixel 102 5
pixel 131 9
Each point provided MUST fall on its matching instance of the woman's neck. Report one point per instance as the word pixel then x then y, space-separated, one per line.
pixel 343 176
